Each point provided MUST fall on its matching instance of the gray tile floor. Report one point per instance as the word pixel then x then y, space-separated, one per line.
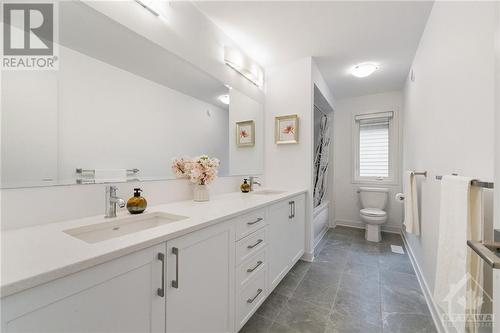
pixel 353 286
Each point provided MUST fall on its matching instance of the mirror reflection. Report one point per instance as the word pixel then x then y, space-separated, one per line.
pixel 118 107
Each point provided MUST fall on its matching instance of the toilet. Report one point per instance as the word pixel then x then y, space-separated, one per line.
pixel 373 201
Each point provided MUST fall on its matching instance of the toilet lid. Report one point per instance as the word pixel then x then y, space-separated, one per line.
pixel 373 212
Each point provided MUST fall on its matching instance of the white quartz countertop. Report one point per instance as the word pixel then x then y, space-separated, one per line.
pixel 36 255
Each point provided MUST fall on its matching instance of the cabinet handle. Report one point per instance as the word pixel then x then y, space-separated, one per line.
pixel 250 270
pixel 293 209
pixel 250 300
pixel 291 214
pixel 175 283
pixel 256 221
pixel 161 291
pixel 254 245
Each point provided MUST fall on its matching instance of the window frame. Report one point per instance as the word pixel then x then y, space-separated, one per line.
pixel 393 177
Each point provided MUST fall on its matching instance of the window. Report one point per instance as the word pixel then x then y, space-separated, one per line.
pixel 374 147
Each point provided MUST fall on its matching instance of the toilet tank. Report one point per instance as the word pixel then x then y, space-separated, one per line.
pixel 373 197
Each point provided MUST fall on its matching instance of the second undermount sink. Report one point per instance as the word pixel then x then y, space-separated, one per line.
pixel 267 192
pixel 121 226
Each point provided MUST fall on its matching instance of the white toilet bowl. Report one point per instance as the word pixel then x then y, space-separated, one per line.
pixel 373 218
pixel 373 201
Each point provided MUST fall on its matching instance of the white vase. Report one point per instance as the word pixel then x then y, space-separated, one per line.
pixel 200 193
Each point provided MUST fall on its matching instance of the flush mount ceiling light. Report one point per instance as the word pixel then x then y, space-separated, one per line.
pixel 224 99
pixel 365 69
pixel 235 59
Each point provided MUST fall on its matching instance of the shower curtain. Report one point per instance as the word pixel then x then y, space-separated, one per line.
pixel 321 159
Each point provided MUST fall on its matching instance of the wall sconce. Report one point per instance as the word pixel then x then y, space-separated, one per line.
pixel 235 59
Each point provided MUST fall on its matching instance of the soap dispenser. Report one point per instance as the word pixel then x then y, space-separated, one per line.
pixel 137 204
pixel 245 187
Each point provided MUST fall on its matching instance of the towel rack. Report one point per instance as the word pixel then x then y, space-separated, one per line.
pixel 81 171
pixel 487 251
pixel 475 182
pixel 423 173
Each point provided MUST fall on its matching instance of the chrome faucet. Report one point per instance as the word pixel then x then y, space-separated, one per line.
pixel 112 201
pixel 253 182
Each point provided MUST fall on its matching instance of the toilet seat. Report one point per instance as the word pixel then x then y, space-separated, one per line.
pixel 375 212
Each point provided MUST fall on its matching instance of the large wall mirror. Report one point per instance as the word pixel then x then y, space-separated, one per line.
pixel 118 101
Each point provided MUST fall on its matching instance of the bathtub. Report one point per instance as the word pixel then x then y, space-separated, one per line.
pixel 321 221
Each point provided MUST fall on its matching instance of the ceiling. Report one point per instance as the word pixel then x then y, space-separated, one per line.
pixel 338 34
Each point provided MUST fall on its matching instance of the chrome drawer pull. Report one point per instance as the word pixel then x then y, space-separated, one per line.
pixel 256 221
pixel 250 270
pixel 175 283
pixel 254 245
pixel 250 300
pixel 161 291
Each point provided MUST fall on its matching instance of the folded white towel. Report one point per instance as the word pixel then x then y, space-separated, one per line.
pixel 459 277
pixel 412 220
pixel 110 175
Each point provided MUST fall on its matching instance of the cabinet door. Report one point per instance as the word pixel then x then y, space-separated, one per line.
pixel 200 291
pixel 297 229
pixel 117 296
pixel 279 239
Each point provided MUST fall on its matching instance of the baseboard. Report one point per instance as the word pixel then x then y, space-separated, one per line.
pixel 308 257
pixel 360 225
pixel 441 328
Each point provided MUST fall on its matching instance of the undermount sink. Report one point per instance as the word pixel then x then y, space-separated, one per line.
pixel 268 192
pixel 121 226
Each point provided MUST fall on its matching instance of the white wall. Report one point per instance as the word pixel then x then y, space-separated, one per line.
pixel 449 111
pixel 496 273
pixel 246 160
pixel 290 90
pixel 346 198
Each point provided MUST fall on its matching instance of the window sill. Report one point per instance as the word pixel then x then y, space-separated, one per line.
pixel 390 182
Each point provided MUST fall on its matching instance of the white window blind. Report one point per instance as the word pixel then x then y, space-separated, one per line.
pixel 374 147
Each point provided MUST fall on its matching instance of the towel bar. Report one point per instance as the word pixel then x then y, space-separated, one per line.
pixel 423 173
pixel 475 182
pixel 487 252
pixel 80 170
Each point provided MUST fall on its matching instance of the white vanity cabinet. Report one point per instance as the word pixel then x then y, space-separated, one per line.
pixel 208 280
pixel 118 296
pixel 286 231
pixel 200 281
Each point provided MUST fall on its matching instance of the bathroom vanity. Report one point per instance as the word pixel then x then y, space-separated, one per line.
pixel 206 270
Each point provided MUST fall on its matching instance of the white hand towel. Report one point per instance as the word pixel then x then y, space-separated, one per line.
pixel 412 220
pixel 110 175
pixel 458 272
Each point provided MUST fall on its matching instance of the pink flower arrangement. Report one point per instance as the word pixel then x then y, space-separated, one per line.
pixel 201 170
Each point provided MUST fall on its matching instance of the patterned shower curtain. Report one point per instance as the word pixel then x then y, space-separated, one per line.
pixel 321 158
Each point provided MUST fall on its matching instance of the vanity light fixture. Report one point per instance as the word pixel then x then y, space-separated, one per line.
pixel 235 59
pixel 225 99
pixel 149 5
pixel 364 69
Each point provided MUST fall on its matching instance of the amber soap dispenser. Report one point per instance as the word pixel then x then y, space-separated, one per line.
pixel 137 204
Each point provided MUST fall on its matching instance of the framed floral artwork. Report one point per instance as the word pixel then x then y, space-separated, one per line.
pixel 245 133
pixel 287 129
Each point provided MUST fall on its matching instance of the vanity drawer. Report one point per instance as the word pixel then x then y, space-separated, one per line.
pixel 250 298
pixel 251 267
pixel 250 222
pixel 248 246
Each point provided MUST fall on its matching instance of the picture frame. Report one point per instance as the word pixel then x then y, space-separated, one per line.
pixel 245 133
pixel 286 129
